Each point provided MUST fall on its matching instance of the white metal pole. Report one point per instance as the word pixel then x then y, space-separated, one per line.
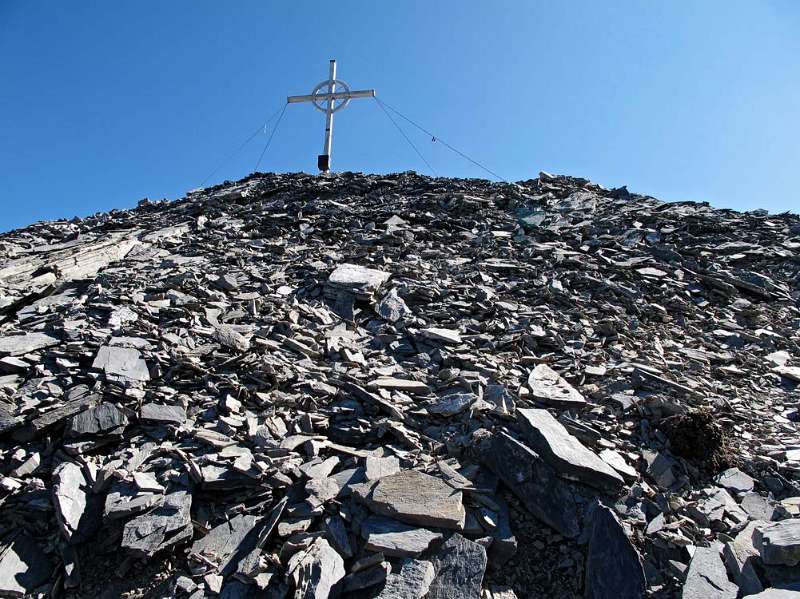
pixel 326 150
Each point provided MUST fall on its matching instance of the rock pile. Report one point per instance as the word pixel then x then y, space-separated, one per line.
pixel 399 387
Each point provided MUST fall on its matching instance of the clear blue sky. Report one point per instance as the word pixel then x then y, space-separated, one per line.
pixel 103 103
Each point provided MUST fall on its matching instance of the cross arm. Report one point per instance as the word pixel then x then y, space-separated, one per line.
pixel 361 93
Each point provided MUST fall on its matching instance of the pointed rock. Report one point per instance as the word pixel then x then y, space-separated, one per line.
pixel 316 570
pixel 613 565
pixel 707 578
pixel 570 458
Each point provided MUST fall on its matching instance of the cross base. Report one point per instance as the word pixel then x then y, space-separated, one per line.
pixel 324 162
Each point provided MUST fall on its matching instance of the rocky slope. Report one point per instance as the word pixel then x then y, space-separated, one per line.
pixel 401 387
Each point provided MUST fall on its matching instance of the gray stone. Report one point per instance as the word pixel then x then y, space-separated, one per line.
pixel 231 338
pixel 758 507
pixel 124 500
pixel 459 565
pixel 500 398
pixel 19 345
pixel 377 468
pixel 411 581
pixel 707 578
pixel 555 501
pixel 447 336
pixel 736 481
pixel 452 404
pixel 105 419
pixel 316 570
pixel 337 534
pixel 168 524
pixel 364 579
pixel 406 385
pixel 775 594
pixel 78 398
pixel 395 538
pixel 152 412
pixel 225 540
pixel 70 488
pixel 392 307
pixel 23 568
pixel 613 565
pixel 504 543
pixel 618 463
pixel 122 364
pixel 359 280
pixel 570 458
pixel 779 543
pixel 548 386
pixel 740 557
pixel 417 498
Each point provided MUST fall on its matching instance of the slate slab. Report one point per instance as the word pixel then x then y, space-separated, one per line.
pixel 395 538
pixel 19 345
pixel 459 565
pixel 548 386
pixel 122 364
pixel 568 456
pixel 417 498
pixel 779 543
pixel 707 577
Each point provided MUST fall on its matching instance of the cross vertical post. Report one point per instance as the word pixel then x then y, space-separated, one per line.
pixel 326 99
pixel 324 160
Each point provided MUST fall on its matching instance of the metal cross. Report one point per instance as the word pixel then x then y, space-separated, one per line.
pixel 325 97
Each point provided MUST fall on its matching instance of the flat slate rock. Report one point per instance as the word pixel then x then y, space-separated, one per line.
pixel 736 481
pixel 358 279
pixel 548 386
pixel 613 565
pixel 451 404
pixel 568 456
pixel 460 565
pixel 447 336
pixel 19 345
pixel 417 498
pixel 105 419
pixel 152 412
pixel 168 524
pixel 122 363
pixel 779 543
pixel 707 577
pixel 395 538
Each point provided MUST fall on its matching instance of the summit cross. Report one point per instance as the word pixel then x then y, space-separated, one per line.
pixel 325 97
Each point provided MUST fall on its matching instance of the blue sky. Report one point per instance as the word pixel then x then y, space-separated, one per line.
pixel 103 103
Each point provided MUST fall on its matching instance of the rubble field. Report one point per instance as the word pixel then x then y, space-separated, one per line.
pixel 401 387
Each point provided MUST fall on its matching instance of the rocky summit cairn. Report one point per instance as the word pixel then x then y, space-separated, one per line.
pixel 394 387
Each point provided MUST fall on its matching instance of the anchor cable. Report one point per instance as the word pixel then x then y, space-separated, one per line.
pixel 436 138
pixel 271 135
pixel 260 128
pixel 403 133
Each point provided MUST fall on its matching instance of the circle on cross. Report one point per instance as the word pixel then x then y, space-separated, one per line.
pixel 323 89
